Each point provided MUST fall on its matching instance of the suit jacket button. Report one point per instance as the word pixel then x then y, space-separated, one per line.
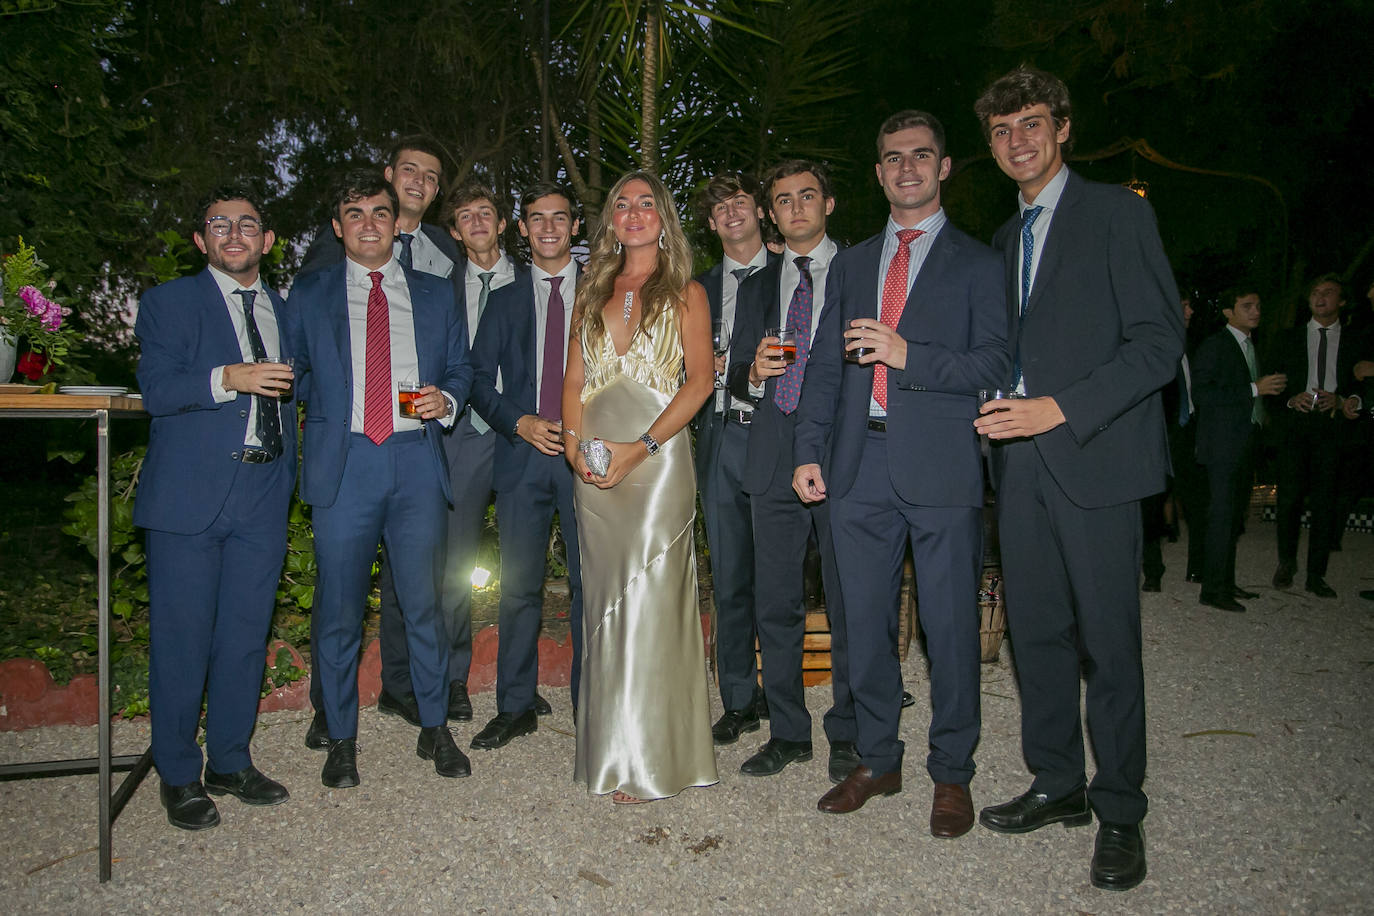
pixel 243 414
pixel 234 456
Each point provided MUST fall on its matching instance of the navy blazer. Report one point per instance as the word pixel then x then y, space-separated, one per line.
pixel 326 249
pixel 184 331
pixel 1221 393
pixel 955 326
pixel 1102 333
pixel 324 369
pixel 506 344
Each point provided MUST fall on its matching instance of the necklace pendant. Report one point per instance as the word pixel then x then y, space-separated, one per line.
pixel 629 303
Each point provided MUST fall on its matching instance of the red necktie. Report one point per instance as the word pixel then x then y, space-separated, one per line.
pixel 378 406
pixel 894 300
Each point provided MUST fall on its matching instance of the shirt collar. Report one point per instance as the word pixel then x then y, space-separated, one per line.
pixel 391 271
pixel 1049 194
pixel 1240 336
pixel 228 284
pixel 820 255
pixel 1314 325
pixel 501 268
pixel 760 259
pixel 568 271
pixel 930 225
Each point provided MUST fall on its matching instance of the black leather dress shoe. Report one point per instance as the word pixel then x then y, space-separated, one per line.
pixel 1317 586
pixel 775 755
pixel 459 705
pixel 436 743
pixel 844 757
pixel 1368 594
pixel 1222 603
pixel 1151 584
pixel 1118 857
pixel 907 699
pixel 317 735
pixel 188 807
pixel 1035 810
pixel 247 785
pixel 405 707
pixel 735 722
pixel 541 706
pixel 341 766
pixel 506 726
pixel 1283 576
pixel 1242 595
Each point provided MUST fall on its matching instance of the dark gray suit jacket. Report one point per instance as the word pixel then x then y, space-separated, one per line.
pixel 1103 332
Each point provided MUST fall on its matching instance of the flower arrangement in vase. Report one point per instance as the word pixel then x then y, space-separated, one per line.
pixel 29 315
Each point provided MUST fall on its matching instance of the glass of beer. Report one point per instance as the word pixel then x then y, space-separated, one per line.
pixel 288 361
pixel 787 342
pixel 852 356
pixel 406 393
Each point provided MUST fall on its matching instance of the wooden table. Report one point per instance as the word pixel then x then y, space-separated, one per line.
pixel 101 409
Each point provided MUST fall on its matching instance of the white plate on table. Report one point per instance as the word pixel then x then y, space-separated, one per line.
pixel 97 390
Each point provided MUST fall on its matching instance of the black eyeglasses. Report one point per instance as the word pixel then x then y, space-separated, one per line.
pixel 220 226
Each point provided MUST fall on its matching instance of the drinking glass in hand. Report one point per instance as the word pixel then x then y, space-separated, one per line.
pixel 787 342
pixel 284 394
pixel 720 343
pixel 852 356
pixel 406 393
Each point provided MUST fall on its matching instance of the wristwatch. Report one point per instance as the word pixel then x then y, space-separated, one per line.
pixel 650 443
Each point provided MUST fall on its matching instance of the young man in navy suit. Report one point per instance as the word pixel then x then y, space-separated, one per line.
pixel 1230 414
pixel 371 472
pixel 729 205
pixel 888 441
pixel 524 343
pixel 788 292
pixel 476 220
pixel 415 171
pixel 213 496
pixel 1095 332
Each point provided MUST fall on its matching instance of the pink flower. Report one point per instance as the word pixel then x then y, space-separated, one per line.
pixel 35 300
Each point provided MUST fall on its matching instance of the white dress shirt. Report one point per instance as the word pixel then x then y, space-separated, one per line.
pixel 503 274
pixel 425 256
pixel 405 363
pixel 568 290
pixel 918 249
pixel 1333 343
pixel 729 294
pixel 1040 230
pixel 266 319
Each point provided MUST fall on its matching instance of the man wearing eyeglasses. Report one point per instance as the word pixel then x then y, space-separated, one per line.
pixel 213 496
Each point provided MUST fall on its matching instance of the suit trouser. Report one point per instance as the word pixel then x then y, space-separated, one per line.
pixel 870 526
pixel 782 526
pixel 1073 601
pixel 211 599
pixel 524 514
pixel 1309 467
pixel 469 462
pixel 1228 485
pixel 388 493
pixel 730 534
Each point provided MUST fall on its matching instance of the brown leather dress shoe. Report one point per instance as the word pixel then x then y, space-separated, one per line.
pixel 859 787
pixel 951 813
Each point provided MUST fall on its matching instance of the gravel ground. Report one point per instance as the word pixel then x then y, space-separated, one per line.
pixel 1267 811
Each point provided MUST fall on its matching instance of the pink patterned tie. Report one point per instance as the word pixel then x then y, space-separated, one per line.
pixel 894 300
pixel 378 406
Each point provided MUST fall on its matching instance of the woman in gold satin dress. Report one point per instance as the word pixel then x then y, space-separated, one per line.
pixel 639 367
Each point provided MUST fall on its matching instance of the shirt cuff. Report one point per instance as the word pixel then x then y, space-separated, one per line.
pixel 756 390
pixel 217 389
pixel 1254 390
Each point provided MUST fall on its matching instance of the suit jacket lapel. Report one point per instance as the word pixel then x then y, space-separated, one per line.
pixel 931 269
pixel 226 338
pixel 1055 244
pixel 336 315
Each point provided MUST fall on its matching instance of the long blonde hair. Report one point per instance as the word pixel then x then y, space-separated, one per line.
pixel 665 285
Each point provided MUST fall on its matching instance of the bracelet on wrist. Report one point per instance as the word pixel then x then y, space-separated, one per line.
pixel 573 433
pixel 650 443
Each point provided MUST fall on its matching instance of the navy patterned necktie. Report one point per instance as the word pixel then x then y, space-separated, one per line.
pixel 268 427
pixel 1027 257
pixel 406 258
pixel 787 394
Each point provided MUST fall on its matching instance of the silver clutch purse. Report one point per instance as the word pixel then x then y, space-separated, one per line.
pixel 598 457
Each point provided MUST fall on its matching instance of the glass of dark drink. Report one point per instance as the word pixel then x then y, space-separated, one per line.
pixel 787 342
pixel 720 343
pixel 852 356
pixel 406 393
pixel 284 394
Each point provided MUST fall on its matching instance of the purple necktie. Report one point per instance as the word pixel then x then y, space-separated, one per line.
pixel 787 392
pixel 551 388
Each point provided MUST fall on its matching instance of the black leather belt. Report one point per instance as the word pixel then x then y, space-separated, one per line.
pixel 742 417
pixel 256 456
pixel 877 424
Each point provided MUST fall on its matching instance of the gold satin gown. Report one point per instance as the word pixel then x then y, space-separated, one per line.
pixel 643 711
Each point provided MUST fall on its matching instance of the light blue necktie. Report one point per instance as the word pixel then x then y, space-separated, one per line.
pixel 1027 256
